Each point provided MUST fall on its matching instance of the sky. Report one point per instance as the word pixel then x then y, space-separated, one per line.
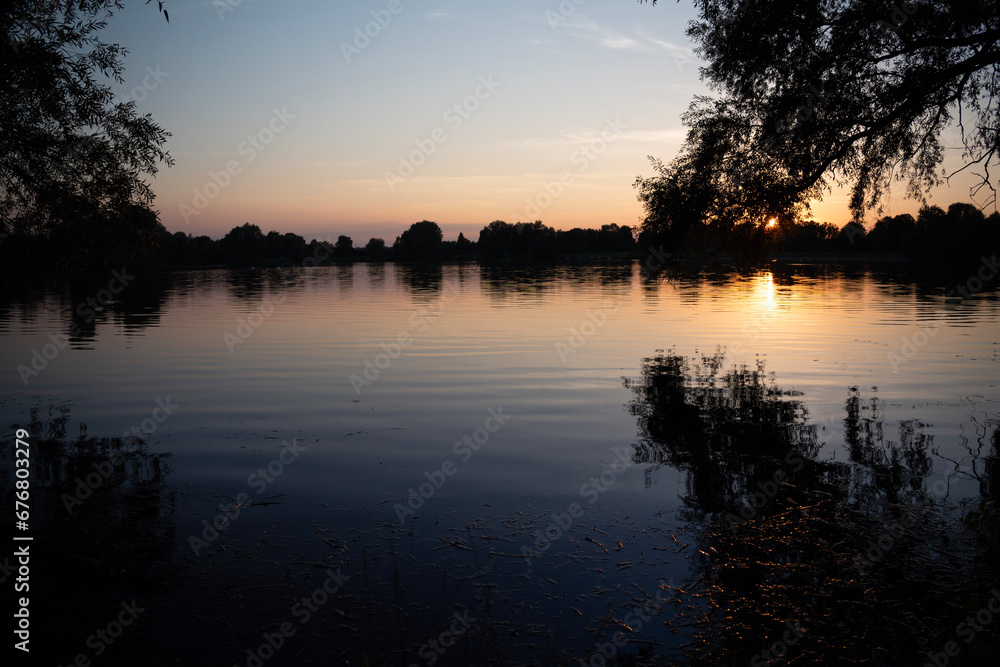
pixel 324 117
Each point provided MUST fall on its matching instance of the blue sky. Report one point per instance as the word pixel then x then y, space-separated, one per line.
pixel 324 118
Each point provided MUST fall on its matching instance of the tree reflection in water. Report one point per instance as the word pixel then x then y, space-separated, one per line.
pixel 102 528
pixel 862 553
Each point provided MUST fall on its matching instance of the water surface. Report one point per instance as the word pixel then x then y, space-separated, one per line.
pixel 443 419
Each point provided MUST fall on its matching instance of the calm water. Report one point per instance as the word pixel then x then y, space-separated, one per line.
pixel 389 381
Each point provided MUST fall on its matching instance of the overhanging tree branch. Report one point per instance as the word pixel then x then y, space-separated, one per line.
pixel 891 78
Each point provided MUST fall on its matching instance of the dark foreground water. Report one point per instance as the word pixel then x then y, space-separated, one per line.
pixel 374 464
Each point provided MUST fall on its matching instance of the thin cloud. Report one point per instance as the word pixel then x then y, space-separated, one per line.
pixel 585 28
pixel 671 136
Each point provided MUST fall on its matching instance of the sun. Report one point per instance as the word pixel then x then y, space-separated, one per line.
pixel 772 222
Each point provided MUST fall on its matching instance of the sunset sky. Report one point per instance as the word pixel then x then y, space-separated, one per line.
pixel 461 112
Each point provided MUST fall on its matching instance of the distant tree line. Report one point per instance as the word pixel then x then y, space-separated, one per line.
pixel 94 242
pixel 961 232
pixel 422 242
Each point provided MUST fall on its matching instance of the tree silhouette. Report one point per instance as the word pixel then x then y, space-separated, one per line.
pixel 521 241
pixel 853 91
pixel 63 136
pixel 889 232
pixel 375 248
pixel 243 244
pixel 105 508
pixel 464 246
pixel 859 552
pixel 344 246
pixel 420 243
pixel 727 429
